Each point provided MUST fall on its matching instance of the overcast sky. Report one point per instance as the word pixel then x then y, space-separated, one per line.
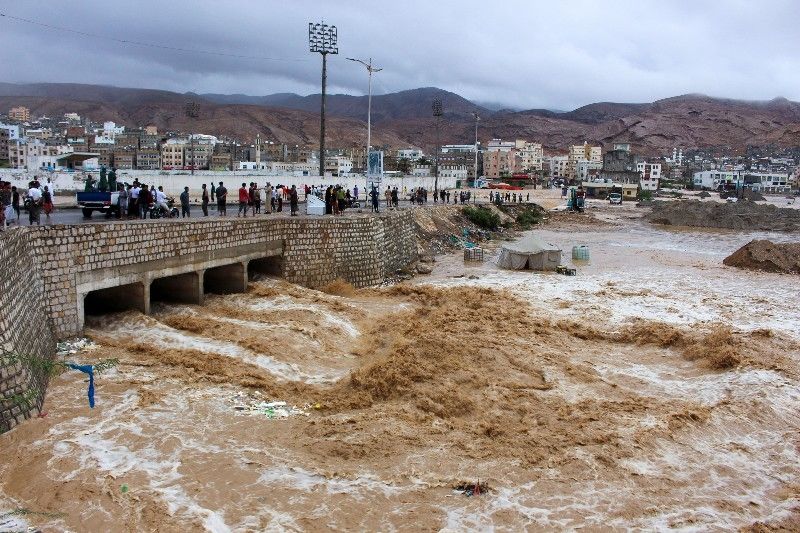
pixel 523 54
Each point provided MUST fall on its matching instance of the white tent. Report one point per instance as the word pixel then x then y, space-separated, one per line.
pixel 529 253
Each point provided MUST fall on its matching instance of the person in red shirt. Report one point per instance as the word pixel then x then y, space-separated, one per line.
pixel 244 198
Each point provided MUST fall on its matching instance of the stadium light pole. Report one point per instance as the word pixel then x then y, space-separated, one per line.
pixel 192 111
pixel 437 113
pixel 322 39
pixel 370 70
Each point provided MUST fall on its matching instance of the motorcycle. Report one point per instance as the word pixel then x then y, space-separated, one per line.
pixel 157 212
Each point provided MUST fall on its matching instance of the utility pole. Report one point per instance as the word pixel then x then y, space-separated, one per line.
pixel 437 114
pixel 322 39
pixel 370 70
pixel 192 111
pixel 475 174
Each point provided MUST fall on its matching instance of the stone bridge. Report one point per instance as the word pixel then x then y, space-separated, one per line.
pixel 52 276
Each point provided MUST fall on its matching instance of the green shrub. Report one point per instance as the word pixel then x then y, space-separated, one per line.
pixel 481 217
pixel 528 218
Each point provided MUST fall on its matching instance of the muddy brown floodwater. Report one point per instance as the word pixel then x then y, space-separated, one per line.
pixel 656 389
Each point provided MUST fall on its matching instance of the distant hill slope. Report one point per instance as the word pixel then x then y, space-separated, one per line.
pixel 404 118
pixel 411 104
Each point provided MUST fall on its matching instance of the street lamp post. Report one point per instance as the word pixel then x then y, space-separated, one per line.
pixel 370 70
pixel 322 39
pixel 475 174
pixel 437 113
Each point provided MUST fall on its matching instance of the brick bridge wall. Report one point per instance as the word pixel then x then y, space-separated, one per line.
pixel 25 330
pixel 42 267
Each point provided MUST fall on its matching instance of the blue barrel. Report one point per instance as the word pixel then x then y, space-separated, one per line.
pixel 580 253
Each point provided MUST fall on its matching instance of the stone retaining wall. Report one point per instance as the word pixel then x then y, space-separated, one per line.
pixel 25 330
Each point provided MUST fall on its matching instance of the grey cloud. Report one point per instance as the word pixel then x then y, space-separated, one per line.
pixel 520 53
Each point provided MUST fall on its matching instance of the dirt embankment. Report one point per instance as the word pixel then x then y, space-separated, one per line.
pixel 738 215
pixel 767 256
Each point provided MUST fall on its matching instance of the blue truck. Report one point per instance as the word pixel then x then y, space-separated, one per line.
pixel 105 202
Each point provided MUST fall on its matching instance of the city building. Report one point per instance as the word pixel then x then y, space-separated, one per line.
pixel 649 175
pixel 531 155
pixel 620 165
pixel 412 154
pixel 123 159
pixel 588 170
pixel 769 182
pixel 4 138
pixel 148 159
pixel 20 114
pixel 459 172
pixel 197 155
pixel 582 152
pixel 72 118
pixel 172 154
pixel 713 179
pixel 338 165
pixel 500 158
pixel 220 162
pixel 558 166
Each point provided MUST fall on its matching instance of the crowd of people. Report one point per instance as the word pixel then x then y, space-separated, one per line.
pixel 496 197
pixel 36 199
pixel 137 200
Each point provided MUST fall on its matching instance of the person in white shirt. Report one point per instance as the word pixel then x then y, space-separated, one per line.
pixel 161 201
pixel 34 203
pixel 51 186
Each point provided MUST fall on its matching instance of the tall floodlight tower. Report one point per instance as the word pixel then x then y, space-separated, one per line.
pixel 192 111
pixel 437 115
pixel 322 39
pixel 475 174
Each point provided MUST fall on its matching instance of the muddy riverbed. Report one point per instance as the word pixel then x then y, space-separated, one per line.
pixel 656 389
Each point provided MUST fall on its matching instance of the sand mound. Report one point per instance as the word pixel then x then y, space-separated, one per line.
pixel 767 256
pixel 738 215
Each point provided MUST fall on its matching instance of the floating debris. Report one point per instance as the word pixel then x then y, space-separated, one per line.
pixel 71 347
pixel 254 404
pixel 472 489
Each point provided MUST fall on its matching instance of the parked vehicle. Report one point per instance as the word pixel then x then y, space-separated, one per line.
pixel 105 202
pixel 615 198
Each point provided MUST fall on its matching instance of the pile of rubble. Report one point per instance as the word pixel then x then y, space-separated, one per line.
pixel 735 215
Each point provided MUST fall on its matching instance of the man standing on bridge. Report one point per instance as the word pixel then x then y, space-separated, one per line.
pixel 185 203
pixel 222 195
pixel 244 198
pixel 204 202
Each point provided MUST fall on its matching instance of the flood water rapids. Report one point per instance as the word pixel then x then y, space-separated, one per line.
pixel 655 389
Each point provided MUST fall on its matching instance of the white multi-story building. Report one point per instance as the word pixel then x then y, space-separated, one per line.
pixel 458 172
pixel 558 166
pixel 582 152
pixel 531 155
pixel 110 129
pixel 498 145
pixel 772 182
pixel 34 154
pixel 412 154
pixel 712 179
pixel 650 175
pixel 338 165
pixel 13 131
pixel 458 148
